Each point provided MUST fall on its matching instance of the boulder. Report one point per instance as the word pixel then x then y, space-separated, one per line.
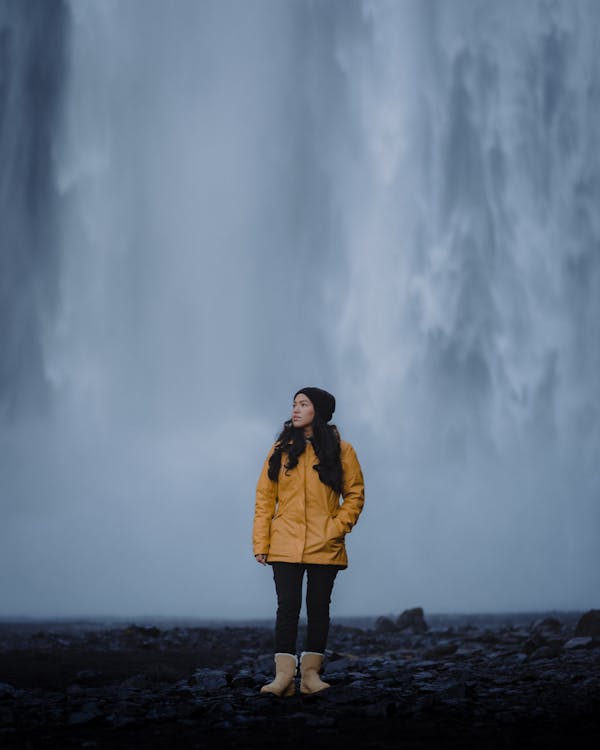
pixel 578 642
pixel 441 650
pixel 548 624
pixel 384 625
pixel 589 624
pixel 412 619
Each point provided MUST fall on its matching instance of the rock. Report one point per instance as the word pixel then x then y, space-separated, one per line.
pixel 381 710
pixel 578 642
pixel 425 703
pixel 412 619
pixel 532 644
pixel 244 678
pixel 452 691
pixel 88 712
pixel 460 673
pixel 545 652
pixel 6 690
pixel 161 713
pixel 141 631
pixel 384 625
pixel 118 721
pixel 158 672
pixel 264 664
pixel 208 679
pixel 488 637
pixel 589 624
pixel 440 650
pixel 136 681
pixel 340 665
pixel 548 624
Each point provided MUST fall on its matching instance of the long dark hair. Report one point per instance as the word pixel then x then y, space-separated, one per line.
pixel 326 442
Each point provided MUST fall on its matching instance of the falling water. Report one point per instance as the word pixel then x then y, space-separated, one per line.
pixel 206 207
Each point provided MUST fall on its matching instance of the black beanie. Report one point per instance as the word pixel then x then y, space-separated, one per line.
pixel 323 402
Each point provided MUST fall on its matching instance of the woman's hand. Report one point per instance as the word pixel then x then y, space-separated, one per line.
pixel 262 559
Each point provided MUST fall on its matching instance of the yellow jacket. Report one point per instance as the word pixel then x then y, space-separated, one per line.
pixel 300 519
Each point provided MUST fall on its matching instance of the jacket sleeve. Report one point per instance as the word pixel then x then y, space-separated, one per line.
pixel 264 510
pixel 353 490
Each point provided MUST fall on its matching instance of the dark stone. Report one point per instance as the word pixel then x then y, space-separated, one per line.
pixel 532 644
pixel 545 652
pixel 381 710
pixel 549 624
pixel 589 624
pixel 208 679
pixel 88 712
pixel 460 680
pixel 141 631
pixel 452 691
pixel 340 666
pixel 412 619
pixel 6 690
pixel 578 642
pixel 488 637
pixel 384 625
pixel 440 650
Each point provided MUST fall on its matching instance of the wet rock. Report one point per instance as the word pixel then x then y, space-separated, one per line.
pixel 139 631
pixel 244 678
pixel 161 713
pixel 160 673
pixel 548 625
pixel 340 665
pixel 208 680
pixel 440 650
pixel 119 721
pixel 385 625
pixel 265 664
pixel 6 690
pixel 533 643
pixel 589 624
pixel 139 681
pixel 458 674
pixel 578 642
pixel 425 703
pixel 451 691
pixel 381 710
pixel 88 712
pixel 412 619
pixel 545 652
pixel 488 637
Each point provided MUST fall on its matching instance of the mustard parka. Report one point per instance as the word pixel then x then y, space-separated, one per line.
pixel 300 519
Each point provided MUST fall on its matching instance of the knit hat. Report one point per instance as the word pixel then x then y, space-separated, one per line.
pixel 323 402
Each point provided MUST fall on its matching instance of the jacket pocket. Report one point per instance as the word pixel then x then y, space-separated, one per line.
pixel 334 531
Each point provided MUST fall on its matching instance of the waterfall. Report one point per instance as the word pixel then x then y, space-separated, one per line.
pixel 471 226
pixel 32 41
pixel 208 206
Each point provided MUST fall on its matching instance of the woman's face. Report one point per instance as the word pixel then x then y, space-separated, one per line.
pixel 303 412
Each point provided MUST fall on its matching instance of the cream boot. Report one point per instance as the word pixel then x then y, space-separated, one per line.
pixel 284 684
pixel 310 666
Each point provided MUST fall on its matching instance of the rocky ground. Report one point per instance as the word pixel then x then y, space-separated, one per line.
pixel 450 682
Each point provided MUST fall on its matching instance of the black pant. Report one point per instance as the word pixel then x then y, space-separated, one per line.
pixel 288 584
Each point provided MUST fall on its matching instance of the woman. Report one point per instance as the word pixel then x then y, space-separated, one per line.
pixel 300 525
